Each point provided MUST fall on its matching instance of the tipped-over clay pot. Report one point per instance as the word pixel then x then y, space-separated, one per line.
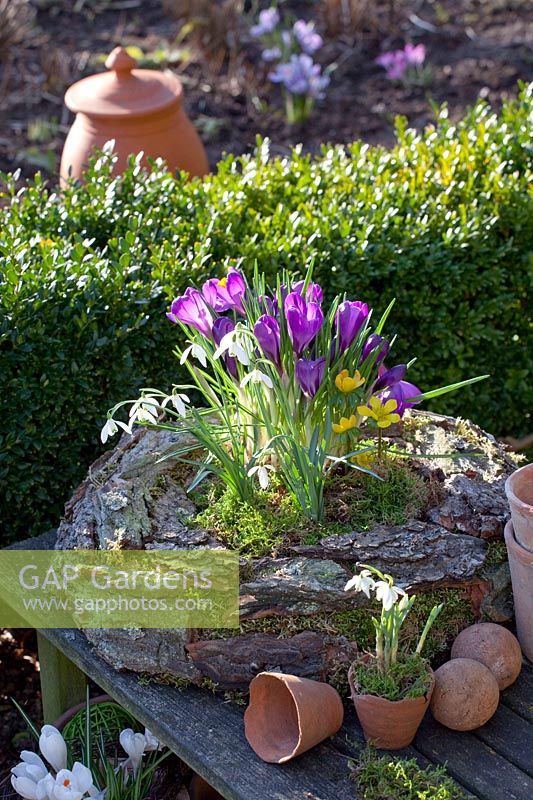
pixel 140 109
pixel 389 724
pixel 289 715
pixel 521 566
pixel 519 490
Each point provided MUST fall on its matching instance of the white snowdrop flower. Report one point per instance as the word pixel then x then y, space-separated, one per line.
pixel 256 376
pixel 231 345
pixel 197 352
pixel 262 474
pixel 361 583
pixel 53 747
pixel 144 410
pixel 387 594
pixel 178 401
pixel 111 427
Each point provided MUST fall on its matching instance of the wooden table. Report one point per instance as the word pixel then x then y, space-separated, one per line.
pixel 492 763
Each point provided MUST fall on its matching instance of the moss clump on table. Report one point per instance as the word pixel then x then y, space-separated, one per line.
pixel 378 777
pixel 353 501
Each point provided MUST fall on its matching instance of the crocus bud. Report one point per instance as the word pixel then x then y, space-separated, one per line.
pixel 267 333
pixel 390 376
pixel 304 320
pixel 349 320
pixel 191 309
pixel 372 343
pixel 53 747
pixel 310 374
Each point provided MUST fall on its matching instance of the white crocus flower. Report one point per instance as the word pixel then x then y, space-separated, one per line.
pixel 231 345
pixel 111 427
pixel 152 742
pixel 387 594
pixel 197 351
pixel 262 473
pixel 26 776
pixel 46 788
pixel 134 744
pixel 256 376
pixel 364 582
pixel 178 401
pixel 53 747
pixel 73 784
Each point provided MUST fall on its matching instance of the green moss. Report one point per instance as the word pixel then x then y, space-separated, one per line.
pixel 407 678
pixel 379 777
pixel 496 554
pixel 274 521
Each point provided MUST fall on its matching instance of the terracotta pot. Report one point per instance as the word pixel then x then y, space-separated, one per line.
pixel 389 724
pixel 519 490
pixel 71 712
pixel 140 109
pixel 289 715
pixel 199 789
pixel 521 566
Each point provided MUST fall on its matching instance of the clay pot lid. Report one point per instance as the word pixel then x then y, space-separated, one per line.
pixel 124 91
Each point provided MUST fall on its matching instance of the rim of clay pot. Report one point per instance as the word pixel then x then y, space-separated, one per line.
pixel 524 555
pixel 70 713
pixel 354 686
pixel 525 507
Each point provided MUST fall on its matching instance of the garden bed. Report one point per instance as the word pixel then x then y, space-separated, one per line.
pixel 472 50
pixel 295 614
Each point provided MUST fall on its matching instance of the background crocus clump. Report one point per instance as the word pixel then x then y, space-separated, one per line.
pixel 289 48
pixel 405 64
pixel 290 385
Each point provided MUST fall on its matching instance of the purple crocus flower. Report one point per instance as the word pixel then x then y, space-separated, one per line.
pixel 389 377
pixel 267 333
pixel 415 54
pixel 226 293
pixel 306 36
pixel 268 20
pixel 270 54
pixel 301 76
pixel 403 392
pixel 304 320
pixel 394 63
pixel 372 343
pixel 221 327
pixel 310 374
pixel 349 320
pixel 314 293
pixel 191 309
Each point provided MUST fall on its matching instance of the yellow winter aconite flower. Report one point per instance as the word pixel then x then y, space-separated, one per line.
pixel 345 424
pixel 365 460
pixel 345 383
pixel 383 413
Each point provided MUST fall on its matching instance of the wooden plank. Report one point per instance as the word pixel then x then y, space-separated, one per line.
pixel 511 736
pixel 63 685
pixel 208 734
pixel 472 763
pixel 519 696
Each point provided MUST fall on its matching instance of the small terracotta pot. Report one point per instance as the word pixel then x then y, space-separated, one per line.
pixel 389 724
pixel 289 715
pixel 519 491
pixel 521 566
pixel 140 109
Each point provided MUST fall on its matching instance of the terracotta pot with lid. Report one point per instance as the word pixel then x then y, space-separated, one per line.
pixel 140 109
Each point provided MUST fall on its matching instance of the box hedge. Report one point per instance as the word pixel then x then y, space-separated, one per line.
pixel 442 222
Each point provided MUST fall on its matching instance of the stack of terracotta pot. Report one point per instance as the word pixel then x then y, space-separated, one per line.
pixel 519 541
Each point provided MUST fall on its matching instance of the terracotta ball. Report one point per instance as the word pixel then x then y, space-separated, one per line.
pixel 494 646
pixel 466 694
